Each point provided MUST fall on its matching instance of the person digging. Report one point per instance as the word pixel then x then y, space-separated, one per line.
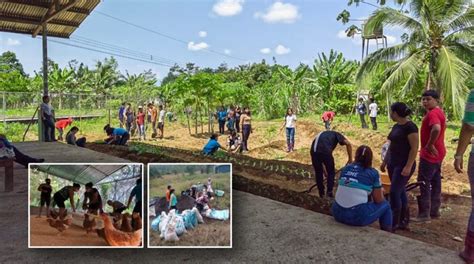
pixel 321 157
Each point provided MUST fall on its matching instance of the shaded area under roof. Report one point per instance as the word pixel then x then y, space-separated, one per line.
pixel 63 17
pixel 81 174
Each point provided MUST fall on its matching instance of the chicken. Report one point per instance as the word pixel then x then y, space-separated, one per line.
pixel 126 225
pixel 55 214
pixel 137 221
pixel 60 225
pixel 89 223
pixel 115 237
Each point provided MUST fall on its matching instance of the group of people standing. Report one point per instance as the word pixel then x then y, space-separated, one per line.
pixel 372 111
pixel 137 122
pixel 359 199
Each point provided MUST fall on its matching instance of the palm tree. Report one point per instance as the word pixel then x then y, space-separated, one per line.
pixel 440 37
pixel 294 82
pixel 61 81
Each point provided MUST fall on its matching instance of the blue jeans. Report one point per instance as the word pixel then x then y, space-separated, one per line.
pixel 398 194
pixel 141 131
pixel 290 136
pixel 364 214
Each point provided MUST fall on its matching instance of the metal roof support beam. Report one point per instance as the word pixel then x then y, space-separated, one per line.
pixel 53 12
pixel 33 21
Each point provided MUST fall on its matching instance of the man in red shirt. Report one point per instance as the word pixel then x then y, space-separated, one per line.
pixel 61 125
pixel 327 118
pixel 432 154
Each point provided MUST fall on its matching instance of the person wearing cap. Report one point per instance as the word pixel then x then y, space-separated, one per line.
pixel 141 123
pixel 61 125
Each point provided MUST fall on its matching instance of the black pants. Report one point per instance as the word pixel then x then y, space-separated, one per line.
pixel 327 124
pixel 221 126
pixel 373 120
pixel 123 139
pixel 429 200
pixel 237 124
pixel 362 121
pixel 318 160
pixel 48 129
pixel 81 142
pixel 22 158
pixel 245 136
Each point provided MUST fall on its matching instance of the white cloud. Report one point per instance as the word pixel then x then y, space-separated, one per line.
pixel 227 51
pixel 197 46
pixel 279 12
pixel 228 7
pixel 281 50
pixel 12 42
pixel 202 34
pixel 356 40
pixel 266 50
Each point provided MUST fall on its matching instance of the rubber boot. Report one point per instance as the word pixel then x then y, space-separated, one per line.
pixel 468 253
pixel 395 219
pixel 404 218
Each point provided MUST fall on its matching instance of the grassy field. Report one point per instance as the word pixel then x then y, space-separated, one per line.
pixel 181 182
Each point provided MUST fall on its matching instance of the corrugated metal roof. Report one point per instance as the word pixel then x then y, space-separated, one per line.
pixel 81 174
pixel 24 16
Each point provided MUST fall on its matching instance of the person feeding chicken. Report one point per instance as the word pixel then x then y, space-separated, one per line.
pixel 67 192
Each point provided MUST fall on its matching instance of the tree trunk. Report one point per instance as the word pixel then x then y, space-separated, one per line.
pixel 196 119
pixel 187 118
pixel 202 125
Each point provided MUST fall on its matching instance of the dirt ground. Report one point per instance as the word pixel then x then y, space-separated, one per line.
pixel 254 172
pixel 211 233
pixel 41 234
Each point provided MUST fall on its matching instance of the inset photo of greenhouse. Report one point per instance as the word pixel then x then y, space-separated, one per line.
pixel 190 205
pixel 85 205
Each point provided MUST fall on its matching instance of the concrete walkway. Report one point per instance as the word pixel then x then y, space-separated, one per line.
pixel 263 231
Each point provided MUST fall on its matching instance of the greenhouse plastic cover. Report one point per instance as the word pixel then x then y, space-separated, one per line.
pixel 81 174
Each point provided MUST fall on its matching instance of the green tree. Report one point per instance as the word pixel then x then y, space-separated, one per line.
pixel 440 37
pixel 10 63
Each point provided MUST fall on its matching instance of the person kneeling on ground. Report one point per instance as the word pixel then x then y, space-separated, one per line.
pixel 202 201
pixel 357 181
pixel 234 142
pixel 117 208
pixel 117 136
pixel 212 145
pixel 71 138
pixel 8 151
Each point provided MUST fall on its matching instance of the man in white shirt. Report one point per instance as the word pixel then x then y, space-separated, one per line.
pixel 161 121
pixel 373 108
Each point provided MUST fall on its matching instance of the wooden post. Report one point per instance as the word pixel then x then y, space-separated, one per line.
pixel 45 60
pixel 8 164
pixel 5 111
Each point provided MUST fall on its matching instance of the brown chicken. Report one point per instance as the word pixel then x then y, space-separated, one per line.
pixel 55 214
pixel 89 223
pixel 137 221
pixel 60 225
pixel 115 237
pixel 126 225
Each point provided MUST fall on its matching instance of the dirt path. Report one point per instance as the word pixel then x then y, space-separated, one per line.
pixel 285 180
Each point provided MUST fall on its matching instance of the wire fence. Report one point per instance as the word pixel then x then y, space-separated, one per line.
pixel 19 115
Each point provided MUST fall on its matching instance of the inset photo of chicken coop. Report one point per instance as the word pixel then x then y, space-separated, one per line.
pixel 190 205
pixel 85 205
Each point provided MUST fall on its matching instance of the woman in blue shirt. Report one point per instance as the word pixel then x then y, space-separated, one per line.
pixel 357 181
pixel 212 145
pixel 117 136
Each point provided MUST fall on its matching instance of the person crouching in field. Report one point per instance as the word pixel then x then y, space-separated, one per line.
pixel 321 157
pixel 117 136
pixel 327 118
pixel 356 182
pixel 61 125
pixel 45 198
pixel 71 138
pixel 212 145
pixel 234 142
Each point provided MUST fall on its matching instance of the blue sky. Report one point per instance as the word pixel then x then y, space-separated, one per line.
pixel 293 31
